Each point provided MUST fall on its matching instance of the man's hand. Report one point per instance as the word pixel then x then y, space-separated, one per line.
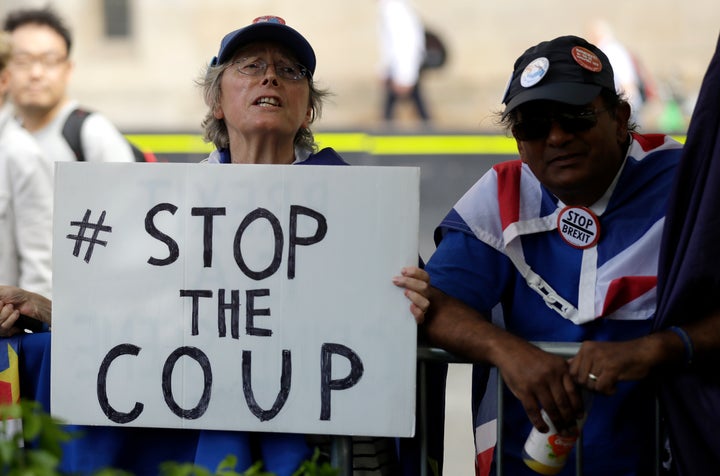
pixel 599 366
pixel 537 378
pixel 541 380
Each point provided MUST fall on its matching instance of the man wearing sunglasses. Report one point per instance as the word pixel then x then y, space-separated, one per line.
pixel 558 246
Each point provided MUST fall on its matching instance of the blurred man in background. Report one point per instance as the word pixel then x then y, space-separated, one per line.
pixel 40 70
pixel 402 50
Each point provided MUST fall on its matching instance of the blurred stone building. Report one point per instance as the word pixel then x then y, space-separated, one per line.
pixel 136 60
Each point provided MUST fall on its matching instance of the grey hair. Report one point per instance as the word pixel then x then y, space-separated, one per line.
pixel 215 130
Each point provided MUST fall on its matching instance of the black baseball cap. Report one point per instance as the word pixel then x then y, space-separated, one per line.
pixel 267 28
pixel 567 69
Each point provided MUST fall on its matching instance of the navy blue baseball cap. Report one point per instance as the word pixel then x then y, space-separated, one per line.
pixel 267 28
pixel 567 69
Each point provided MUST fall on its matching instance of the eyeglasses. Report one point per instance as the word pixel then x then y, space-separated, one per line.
pixel 258 67
pixel 538 127
pixel 47 61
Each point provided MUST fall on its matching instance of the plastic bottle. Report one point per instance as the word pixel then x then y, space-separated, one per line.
pixel 547 453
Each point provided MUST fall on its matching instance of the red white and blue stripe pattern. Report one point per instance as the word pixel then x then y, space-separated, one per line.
pixel 509 203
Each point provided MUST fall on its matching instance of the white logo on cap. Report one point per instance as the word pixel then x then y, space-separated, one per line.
pixel 578 227
pixel 534 72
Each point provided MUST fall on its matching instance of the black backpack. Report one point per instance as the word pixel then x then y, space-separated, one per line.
pixel 71 133
pixel 435 51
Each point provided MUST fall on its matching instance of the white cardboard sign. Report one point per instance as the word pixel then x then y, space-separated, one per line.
pixel 240 297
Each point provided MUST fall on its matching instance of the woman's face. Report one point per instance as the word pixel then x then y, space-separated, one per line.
pixel 257 103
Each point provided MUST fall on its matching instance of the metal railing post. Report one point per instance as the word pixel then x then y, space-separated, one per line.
pixel 428 354
pixel 341 454
pixel 658 434
pixel 579 454
pixel 422 424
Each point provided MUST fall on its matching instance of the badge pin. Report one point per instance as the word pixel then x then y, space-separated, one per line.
pixel 534 72
pixel 579 227
pixel 586 59
pixel 269 19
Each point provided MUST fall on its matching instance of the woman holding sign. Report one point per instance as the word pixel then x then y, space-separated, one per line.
pixel 261 101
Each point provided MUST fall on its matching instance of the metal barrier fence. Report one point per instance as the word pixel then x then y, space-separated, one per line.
pixel 341 448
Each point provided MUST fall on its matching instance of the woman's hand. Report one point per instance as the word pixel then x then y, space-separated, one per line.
pixel 8 316
pixel 417 285
pixel 15 301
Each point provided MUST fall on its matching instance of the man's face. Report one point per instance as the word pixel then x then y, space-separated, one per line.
pixel 39 69
pixel 575 151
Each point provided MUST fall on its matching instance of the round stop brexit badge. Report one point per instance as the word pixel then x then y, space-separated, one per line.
pixel 579 227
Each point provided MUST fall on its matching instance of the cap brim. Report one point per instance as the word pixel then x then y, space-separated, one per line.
pixel 576 94
pixel 267 31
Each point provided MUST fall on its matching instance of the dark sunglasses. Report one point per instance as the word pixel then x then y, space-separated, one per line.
pixel 538 127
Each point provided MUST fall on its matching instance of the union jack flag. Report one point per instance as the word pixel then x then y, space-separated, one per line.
pixel 617 279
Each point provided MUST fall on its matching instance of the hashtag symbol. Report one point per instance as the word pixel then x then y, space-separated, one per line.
pixel 83 226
